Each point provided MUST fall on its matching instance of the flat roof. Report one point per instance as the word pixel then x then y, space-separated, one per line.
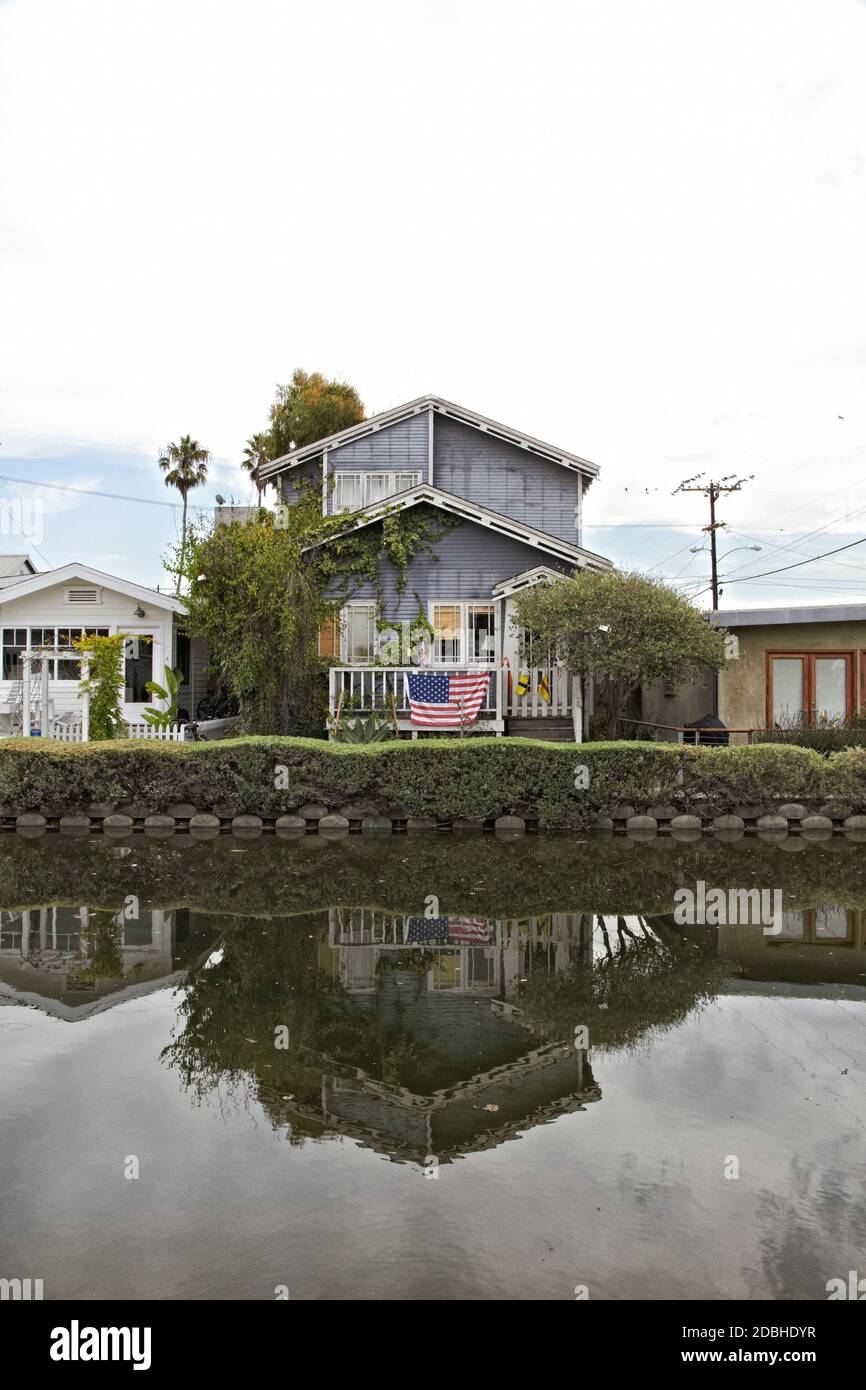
pixel 780 617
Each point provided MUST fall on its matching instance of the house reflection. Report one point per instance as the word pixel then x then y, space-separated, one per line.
pixel 74 961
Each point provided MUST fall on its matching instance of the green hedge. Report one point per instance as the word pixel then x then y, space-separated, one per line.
pixel 442 778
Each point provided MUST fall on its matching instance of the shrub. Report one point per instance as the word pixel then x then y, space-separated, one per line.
pixel 441 778
pixel 730 776
pixel 826 740
pixel 846 776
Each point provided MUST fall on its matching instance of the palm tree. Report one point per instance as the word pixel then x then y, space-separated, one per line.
pixel 257 452
pixel 185 467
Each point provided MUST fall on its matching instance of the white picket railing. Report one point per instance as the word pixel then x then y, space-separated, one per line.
pixel 533 705
pixel 172 734
pixel 65 733
pixel 72 733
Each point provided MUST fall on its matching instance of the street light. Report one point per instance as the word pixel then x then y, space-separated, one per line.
pixel 698 549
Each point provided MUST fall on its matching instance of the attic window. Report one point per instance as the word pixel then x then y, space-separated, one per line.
pixel 83 596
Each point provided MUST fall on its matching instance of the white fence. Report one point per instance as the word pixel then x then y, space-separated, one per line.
pixel 72 733
pixel 172 734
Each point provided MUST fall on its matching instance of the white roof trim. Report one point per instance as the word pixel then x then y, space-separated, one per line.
pixel 506 587
pixel 471 511
pixel 455 412
pixel 46 579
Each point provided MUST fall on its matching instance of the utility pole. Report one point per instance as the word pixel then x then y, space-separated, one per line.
pixel 713 489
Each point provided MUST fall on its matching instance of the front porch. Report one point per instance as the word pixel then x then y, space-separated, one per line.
pixel 552 695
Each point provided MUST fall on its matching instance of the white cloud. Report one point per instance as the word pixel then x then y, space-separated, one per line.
pixel 635 230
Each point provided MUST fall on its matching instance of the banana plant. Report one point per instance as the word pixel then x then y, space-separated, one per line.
pixel 161 719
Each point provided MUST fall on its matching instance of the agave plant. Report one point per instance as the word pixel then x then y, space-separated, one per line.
pixel 369 730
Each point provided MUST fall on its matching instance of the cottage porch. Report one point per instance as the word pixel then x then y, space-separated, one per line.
pixel 385 690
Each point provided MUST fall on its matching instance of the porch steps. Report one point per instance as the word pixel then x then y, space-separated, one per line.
pixel 554 729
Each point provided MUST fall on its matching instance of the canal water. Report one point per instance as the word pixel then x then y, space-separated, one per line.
pixel 432 1068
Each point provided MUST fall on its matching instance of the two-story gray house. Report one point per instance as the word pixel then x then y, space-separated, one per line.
pixel 516 505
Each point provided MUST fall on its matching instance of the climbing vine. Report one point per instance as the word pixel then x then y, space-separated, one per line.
pixel 261 594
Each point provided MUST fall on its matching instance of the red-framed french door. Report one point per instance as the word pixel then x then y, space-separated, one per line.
pixel 805 686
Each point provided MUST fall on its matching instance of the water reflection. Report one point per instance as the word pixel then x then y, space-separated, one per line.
pixel 417 1032
pixel 75 961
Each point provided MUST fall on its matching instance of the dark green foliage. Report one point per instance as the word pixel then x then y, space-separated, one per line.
pixel 830 739
pixel 442 778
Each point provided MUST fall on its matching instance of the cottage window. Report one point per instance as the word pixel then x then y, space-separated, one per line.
pixel 348 492
pixel 464 632
pixel 447 626
pixel 329 638
pixel 352 491
pixel 360 632
pixel 14 644
pixel 17 641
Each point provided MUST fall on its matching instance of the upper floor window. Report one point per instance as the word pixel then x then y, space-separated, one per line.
pixel 352 491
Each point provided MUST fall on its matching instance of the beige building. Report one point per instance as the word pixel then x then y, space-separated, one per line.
pixel 787 666
pixel 793 665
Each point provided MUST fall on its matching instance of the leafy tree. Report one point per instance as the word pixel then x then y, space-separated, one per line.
pixel 257 452
pixel 259 593
pixel 311 407
pixel 185 467
pixel 626 629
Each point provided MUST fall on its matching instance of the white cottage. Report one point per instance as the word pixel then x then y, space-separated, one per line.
pixel 50 609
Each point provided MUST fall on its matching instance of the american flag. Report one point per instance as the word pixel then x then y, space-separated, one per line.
pixel 474 931
pixel 424 929
pixel 444 701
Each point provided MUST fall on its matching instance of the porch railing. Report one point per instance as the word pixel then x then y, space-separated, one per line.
pixel 558 701
pixel 368 688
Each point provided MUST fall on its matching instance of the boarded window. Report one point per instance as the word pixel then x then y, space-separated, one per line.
pixel 329 639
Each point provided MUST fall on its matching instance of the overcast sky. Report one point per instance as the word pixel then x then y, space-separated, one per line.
pixel 636 230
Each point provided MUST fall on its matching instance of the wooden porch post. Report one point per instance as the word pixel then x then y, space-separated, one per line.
pixel 577 707
pixel 85 701
pixel 25 694
pixel 45 692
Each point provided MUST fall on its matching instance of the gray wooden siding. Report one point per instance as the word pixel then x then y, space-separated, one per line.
pixel 504 478
pixel 471 560
pixel 398 446
pixel 311 471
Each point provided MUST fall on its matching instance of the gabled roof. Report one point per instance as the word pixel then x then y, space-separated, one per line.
pixel 442 407
pixel 482 516
pixel 33 583
pixel 524 580
pixel 16 564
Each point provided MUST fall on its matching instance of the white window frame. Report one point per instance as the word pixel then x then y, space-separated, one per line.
pixel 390 475
pixel 347 615
pixel 464 656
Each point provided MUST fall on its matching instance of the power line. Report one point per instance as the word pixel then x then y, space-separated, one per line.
pixel 782 569
pixel 112 496
pixel 713 490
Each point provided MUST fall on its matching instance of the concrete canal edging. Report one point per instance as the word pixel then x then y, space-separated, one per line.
pixel 774 819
